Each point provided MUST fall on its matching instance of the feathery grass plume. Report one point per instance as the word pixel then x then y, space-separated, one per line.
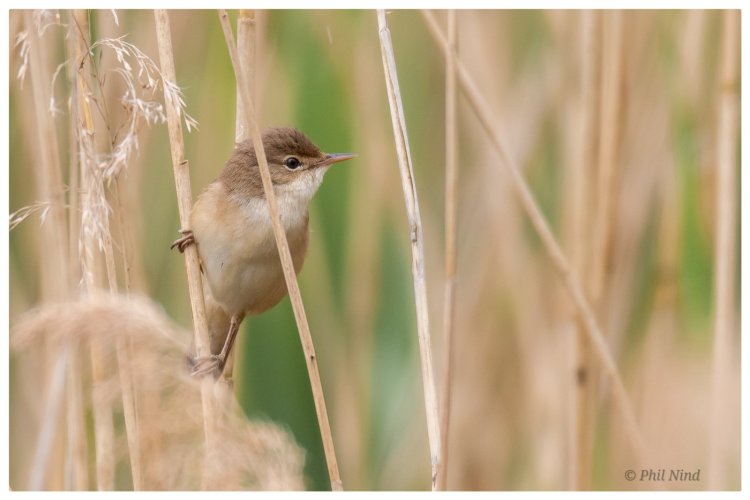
pixel 22 42
pixel 20 215
pixel 94 237
pixel 141 78
pixel 117 160
pixel 249 455
pixel 417 243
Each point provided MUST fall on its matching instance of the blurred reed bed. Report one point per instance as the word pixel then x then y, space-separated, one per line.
pixel 622 157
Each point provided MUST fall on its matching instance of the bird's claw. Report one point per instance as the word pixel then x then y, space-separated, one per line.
pixel 213 364
pixel 184 242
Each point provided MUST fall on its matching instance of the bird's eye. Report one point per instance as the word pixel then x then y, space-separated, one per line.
pixel 292 163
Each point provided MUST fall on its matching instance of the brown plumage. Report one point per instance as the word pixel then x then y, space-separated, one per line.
pixel 231 225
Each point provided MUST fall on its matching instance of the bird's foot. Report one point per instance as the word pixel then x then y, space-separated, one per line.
pixel 186 240
pixel 213 364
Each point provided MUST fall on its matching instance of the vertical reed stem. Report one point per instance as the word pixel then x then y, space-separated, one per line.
pixel 48 174
pixel 286 259
pixel 77 447
pixel 724 259
pixel 246 52
pixel 103 423
pixel 417 243
pixel 246 30
pixel 451 193
pixel 192 264
pixel 584 379
pixel 54 278
pixel 568 277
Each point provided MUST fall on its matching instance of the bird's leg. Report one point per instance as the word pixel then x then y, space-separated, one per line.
pixel 186 240
pixel 234 327
pixel 215 362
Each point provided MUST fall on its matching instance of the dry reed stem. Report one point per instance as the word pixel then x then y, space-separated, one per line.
pixel 77 447
pixel 53 269
pixel 246 32
pixel 451 193
pixel 126 376
pixel 126 380
pixel 570 280
pixel 246 52
pixel 55 279
pixel 610 130
pixel 286 259
pixel 724 258
pixel 584 380
pixel 103 423
pixel 45 441
pixel 417 243
pixel 603 221
pixel 75 417
pixel 74 222
pixel 136 442
pixel 192 264
pixel 124 354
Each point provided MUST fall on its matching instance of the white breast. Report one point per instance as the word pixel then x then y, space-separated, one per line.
pixel 238 248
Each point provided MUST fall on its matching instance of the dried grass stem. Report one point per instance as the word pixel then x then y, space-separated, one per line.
pixel 184 203
pixel 417 243
pixel 570 280
pixel 286 259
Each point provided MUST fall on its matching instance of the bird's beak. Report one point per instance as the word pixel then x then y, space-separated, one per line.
pixel 332 158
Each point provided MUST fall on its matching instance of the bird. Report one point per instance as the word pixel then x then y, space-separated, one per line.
pixel 230 223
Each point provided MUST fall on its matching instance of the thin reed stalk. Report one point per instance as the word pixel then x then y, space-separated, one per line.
pixel 52 409
pixel 103 424
pixel 125 360
pixel 184 203
pixel 246 32
pixel 580 247
pixel 126 376
pixel 568 277
pixel 246 52
pixel 286 259
pixel 55 278
pixel 76 438
pixel 726 240
pixel 126 379
pixel 75 419
pixel 417 243
pixel 451 194
pixel 610 130
pixel 603 217
pixel 48 174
